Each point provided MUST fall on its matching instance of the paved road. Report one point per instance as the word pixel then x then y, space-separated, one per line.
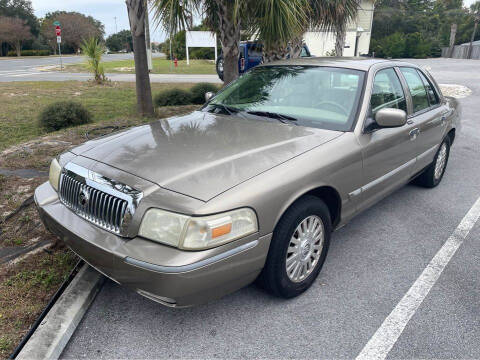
pixel 372 263
pixel 28 69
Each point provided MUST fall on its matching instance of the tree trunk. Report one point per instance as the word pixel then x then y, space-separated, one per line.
pixel 136 16
pixel 275 52
pixel 18 48
pixel 453 34
pixel 296 47
pixel 470 48
pixel 230 38
pixel 340 39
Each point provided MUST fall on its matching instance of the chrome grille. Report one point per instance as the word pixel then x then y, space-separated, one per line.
pixel 103 203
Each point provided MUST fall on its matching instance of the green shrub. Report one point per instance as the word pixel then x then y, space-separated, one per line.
pixel 64 114
pixel 202 53
pixel 198 92
pixel 30 53
pixel 173 97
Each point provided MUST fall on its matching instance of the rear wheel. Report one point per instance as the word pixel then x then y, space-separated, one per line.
pixel 298 249
pixel 433 174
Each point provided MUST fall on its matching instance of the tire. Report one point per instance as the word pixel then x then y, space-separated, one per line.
pixel 430 176
pixel 219 67
pixel 275 277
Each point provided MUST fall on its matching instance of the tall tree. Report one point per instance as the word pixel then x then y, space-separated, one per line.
pixel 136 15
pixel 76 28
pixel 14 31
pixel 120 41
pixel 475 10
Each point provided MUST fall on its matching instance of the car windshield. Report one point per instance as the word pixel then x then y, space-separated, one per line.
pixel 321 97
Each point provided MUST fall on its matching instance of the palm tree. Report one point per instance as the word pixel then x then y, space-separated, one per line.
pixel 475 10
pixel 222 16
pixel 94 50
pixel 276 23
pixel 280 22
pixel 137 10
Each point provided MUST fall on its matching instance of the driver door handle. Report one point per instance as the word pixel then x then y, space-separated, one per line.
pixel 414 133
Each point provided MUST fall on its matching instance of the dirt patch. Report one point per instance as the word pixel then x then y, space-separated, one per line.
pixel 455 91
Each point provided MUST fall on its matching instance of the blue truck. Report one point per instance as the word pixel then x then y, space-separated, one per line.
pixel 251 56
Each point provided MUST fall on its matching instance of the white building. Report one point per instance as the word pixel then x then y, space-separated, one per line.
pixel 357 41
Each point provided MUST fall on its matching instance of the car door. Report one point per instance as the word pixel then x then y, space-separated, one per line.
pixel 429 115
pixel 388 153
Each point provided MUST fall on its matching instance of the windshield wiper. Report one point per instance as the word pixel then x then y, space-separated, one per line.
pixel 273 115
pixel 228 109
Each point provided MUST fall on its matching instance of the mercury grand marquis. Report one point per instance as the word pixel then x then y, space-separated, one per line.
pixel 250 186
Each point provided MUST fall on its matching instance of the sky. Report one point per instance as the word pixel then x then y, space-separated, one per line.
pixel 106 11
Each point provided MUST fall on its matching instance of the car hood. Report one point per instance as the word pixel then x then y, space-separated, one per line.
pixel 202 154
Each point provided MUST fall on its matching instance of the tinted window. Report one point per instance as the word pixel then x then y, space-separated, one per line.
pixel 417 89
pixel 255 50
pixel 321 97
pixel 387 91
pixel 433 97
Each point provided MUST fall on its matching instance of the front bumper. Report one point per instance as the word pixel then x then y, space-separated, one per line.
pixel 170 276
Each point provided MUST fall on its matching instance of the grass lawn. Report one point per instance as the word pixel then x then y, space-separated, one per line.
pixel 20 104
pixel 160 66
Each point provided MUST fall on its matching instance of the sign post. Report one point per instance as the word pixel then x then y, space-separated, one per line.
pixel 58 32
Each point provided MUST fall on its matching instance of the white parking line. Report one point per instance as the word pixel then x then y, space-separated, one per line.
pixel 387 335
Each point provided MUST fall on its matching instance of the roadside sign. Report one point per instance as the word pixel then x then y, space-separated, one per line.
pixel 58 31
pixel 57 23
pixel 59 39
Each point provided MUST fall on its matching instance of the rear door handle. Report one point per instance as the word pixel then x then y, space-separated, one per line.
pixel 409 122
pixel 414 133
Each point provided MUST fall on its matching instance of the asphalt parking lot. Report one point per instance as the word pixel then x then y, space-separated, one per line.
pixel 372 263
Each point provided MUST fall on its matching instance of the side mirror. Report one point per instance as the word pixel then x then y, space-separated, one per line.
pixel 389 118
pixel 209 95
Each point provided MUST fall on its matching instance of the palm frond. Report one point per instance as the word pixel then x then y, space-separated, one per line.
pixel 279 21
pixel 327 15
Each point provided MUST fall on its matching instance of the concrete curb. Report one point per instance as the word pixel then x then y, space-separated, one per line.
pixel 52 335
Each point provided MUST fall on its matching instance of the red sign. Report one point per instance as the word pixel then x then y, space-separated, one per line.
pixel 58 31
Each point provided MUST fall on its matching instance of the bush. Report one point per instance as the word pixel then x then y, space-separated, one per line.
pixel 202 53
pixel 173 97
pixel 64 114
pixel 198 92
pixel 30 53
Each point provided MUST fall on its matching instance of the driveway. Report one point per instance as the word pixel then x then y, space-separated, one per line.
pixel 372 263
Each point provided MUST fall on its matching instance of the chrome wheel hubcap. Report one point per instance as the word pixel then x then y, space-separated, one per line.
pixel 441 161
pixel 305 248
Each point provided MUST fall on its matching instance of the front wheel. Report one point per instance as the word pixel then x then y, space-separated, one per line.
pixel 298 249
pixel 433 174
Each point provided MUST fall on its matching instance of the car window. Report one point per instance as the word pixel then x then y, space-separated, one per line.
pixel 255 50
pixel 433 97
pixel 304 52
pixel 417 89
pixel 387 91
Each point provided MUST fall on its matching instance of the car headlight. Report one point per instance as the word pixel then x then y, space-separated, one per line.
pixel 197 233
pixel 54 174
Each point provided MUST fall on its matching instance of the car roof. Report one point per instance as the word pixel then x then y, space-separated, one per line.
pixel 357 63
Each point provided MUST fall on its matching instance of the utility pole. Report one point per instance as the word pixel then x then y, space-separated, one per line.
pixel 116 30
pixel 148 43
